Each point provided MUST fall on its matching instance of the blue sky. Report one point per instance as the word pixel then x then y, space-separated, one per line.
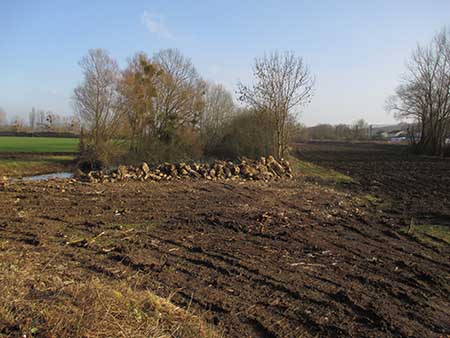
pixel 356 49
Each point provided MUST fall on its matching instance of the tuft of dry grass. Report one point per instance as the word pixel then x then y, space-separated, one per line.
pixel 37 304
pixel 433 234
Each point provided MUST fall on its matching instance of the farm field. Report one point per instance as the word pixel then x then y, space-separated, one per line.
pixel 26 156
pixel 330 253
pixel 13 144
pixel 409 187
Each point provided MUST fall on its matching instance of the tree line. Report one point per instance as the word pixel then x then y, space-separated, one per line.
pixel 159 108
pixel 39 121
pixel 359 130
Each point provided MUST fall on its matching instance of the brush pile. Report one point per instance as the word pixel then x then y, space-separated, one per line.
pixel 264 169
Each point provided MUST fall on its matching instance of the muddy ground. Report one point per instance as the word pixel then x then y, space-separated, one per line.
pixel 292 258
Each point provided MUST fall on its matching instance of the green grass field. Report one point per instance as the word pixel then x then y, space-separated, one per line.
pixel 16 144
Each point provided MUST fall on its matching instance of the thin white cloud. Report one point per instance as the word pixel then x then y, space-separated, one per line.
pixel 156 25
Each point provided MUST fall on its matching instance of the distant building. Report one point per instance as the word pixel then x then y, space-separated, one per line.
pixel 394 132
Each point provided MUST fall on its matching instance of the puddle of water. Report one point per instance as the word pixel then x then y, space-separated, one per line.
pixel 61 175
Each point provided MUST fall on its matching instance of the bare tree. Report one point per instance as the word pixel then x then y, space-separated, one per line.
pixel 41 120
pixel 180 93
pixel 343 132
pixel 32 119
pixel 218 109
pixel 2 117
pixel 424 95
pixel 50 121
pixel 97 99
pixel 360 129
pixel 74 124
pixel 139 91
pixel 18 123
pixel 283 84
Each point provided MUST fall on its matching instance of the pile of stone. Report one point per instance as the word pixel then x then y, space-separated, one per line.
pixel 264 169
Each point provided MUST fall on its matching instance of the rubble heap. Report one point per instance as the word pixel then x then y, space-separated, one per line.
pixel 264 169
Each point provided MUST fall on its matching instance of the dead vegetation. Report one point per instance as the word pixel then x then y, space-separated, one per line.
pixel 259 170
pixel 38 304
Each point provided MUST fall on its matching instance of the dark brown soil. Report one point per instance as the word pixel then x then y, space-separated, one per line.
pixel 415 186
pixel 293 258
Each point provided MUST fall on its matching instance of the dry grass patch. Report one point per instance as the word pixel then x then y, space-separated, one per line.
pixel 39 304
pixel 312 170
pixel 436 235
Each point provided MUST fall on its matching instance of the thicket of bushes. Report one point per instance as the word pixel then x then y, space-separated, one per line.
pixel 159 109
pixel 249 133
